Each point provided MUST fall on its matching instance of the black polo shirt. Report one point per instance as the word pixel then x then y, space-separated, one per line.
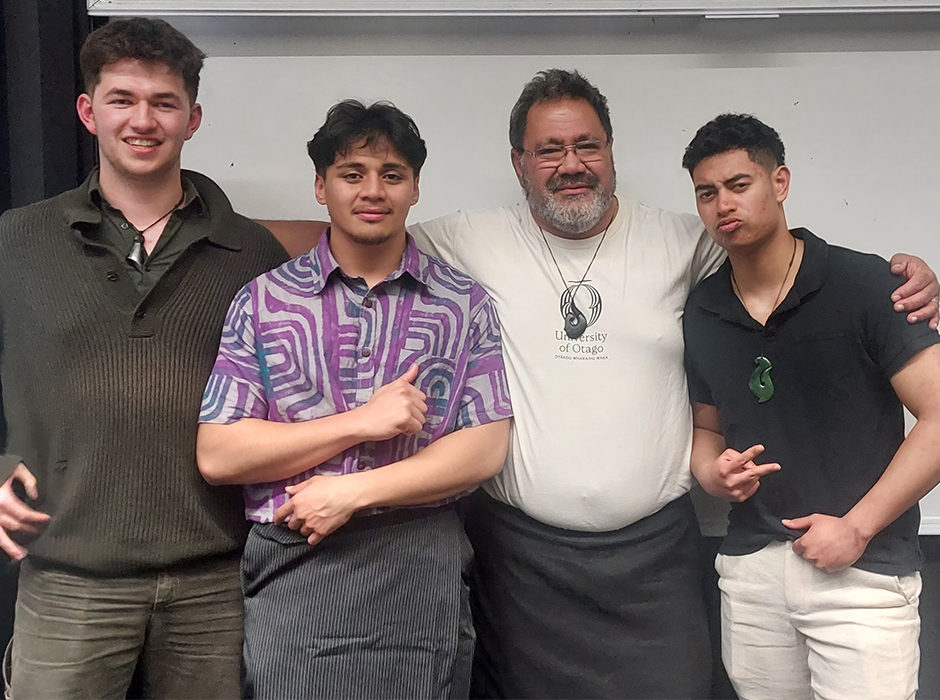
pixel 834 422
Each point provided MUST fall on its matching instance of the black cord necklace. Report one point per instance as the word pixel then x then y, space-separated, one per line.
pixel 575 321
pixel 138 254
pixel 760 383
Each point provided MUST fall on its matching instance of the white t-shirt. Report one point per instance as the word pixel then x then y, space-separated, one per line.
pixel 602 428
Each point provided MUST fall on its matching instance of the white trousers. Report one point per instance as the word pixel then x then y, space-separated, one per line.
pixel 790 631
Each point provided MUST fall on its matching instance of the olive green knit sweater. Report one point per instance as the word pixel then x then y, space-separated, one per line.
pixel 101 387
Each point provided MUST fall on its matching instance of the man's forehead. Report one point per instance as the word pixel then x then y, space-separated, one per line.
pixel 134 74
pixel 379 151
pixel 561 120
pixel 727 165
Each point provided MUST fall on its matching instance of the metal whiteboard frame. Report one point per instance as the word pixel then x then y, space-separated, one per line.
pixel 717 9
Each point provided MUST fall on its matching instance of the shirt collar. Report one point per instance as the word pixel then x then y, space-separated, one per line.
pixel 86 207
pixel 414 263
pixel 718 295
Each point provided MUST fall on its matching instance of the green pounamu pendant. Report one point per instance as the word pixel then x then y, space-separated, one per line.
pixel 760 383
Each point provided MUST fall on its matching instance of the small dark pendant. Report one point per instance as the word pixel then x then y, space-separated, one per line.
pixel 575 322
pixel 760 383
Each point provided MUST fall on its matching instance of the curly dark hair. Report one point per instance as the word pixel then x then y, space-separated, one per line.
pixel 735 132
pixel 141 39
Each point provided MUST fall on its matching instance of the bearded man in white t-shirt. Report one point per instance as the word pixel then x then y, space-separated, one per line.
pixel 589 565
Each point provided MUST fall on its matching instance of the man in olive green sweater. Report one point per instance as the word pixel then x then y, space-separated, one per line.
pixel 112 299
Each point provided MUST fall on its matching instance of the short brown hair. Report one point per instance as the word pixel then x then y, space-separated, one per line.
pixel 142 39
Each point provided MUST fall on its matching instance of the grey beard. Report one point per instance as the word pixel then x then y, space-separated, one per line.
pixel 574 217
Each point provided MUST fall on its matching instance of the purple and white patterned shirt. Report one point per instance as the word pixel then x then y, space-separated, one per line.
pixel 306 341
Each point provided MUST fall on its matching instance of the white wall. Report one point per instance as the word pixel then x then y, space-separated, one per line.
pixel 855 99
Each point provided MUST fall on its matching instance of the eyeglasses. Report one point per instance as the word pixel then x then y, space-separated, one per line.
pixel 585 151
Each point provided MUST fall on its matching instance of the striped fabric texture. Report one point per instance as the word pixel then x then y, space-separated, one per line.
pixel 306 341
pixel 378 609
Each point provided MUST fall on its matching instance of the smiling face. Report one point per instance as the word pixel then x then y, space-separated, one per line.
pixel 142 115
pixel 368 192
pixel 569 197
pixel 740 201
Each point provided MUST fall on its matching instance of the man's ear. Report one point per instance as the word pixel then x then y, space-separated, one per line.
pixel 85 113
pixel 195 119
pixel 319 189
pixel 414 199
pixel 781 179
pixel 517 163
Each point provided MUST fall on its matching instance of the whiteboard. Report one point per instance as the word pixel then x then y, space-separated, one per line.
pixel 854 99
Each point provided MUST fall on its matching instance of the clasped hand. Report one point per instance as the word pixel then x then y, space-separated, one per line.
pixel 322 504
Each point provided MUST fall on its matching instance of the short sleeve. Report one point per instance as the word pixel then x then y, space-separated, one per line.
pixel 707 258
pixel 485 395
pixel 889 339
pixel 437 237
pixel 699 391
pixel 236 387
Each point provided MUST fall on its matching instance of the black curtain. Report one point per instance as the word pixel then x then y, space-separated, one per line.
pixel 44 149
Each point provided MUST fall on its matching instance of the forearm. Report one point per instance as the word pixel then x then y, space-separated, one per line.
pixel 913 472
pixel 252 451
pixel 707 446
pixel 454 463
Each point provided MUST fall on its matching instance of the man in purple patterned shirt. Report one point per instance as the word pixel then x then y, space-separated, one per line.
pixel 357 380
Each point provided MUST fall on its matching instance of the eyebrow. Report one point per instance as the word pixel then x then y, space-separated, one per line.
pixel 121 92
pixel 356 165
pixel 730 181
pixel 577 139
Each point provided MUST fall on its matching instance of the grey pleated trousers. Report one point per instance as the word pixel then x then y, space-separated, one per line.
pixel 378 609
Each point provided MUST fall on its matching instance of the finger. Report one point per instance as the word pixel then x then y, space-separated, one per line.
pixel 746 492
pixel 295 523
pixel 418 415
pixel 798 547
pixel 285 511
pixel 798 523
pixel 750 454
pixel 13 508
pixel 25 477
pixel 13 525
pixel 929 312
pixel 15 551
pixel 412 426
pixel 315 538
pixel 751 472
pixel 758 470
pixel 410 374
pixel 306 530
pixel 732 461
pixel 916 291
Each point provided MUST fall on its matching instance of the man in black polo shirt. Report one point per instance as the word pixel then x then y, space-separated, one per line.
pixel 794 354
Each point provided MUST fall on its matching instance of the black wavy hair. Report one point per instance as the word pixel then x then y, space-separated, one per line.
pixel 350 123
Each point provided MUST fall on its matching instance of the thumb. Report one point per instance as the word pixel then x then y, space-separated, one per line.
pixel 799 523
pixel 410 374
pixel 292 488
